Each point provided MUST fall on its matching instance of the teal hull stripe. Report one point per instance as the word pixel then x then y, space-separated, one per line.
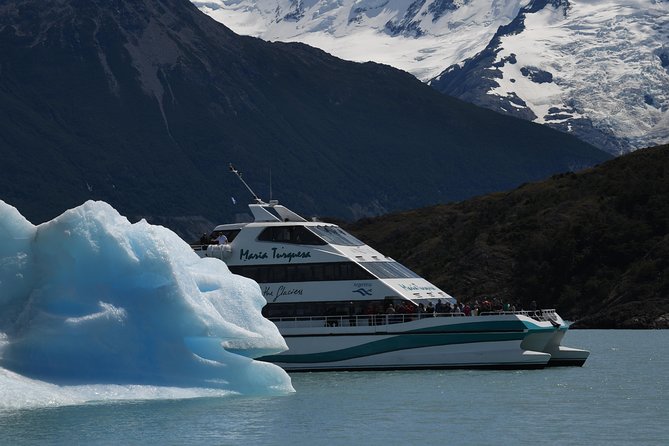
pixel 478 327
pixel 395 343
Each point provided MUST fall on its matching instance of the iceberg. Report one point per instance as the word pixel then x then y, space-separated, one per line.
pixel 91 299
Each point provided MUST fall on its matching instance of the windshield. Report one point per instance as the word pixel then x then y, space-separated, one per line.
pixel 389 270
pixel 335 235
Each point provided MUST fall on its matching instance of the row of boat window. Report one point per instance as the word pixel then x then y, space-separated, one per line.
pixel 298 235
pixel 336 236
pixel 312 235
pixel 389 270
pixel 331 271
pixel 336 308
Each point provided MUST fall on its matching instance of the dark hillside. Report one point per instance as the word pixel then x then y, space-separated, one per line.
pixel 143 103
pixel 593 244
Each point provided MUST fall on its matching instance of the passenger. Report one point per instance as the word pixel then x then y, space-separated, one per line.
pixel 222 239
pixel 476 310
pixel 467 310
pixel 439 308
pixel 390 311
pixel 420 310
pixel 204 240
pixel 407 309
pixel 400 308
pixel 332 320
pixel 430 309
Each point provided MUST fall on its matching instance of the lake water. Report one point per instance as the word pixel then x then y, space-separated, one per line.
pixel 620 397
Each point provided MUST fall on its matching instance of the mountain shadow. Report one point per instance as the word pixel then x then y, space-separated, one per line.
pixel 143 103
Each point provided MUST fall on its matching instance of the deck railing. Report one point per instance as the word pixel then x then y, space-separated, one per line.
pixel 397 318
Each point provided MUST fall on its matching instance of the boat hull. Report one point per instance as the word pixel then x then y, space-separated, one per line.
pixel 550 342
pixel 488 355
pixel 492 342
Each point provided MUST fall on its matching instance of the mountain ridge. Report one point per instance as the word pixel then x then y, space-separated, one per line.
pixel 597 69
pixel 144 103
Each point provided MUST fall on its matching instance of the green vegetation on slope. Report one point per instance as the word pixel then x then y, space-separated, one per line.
pixel 593 244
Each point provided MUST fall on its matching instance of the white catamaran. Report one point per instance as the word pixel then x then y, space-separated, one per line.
pixel 341 305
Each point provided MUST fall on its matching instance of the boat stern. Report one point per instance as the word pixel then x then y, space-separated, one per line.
pixel 545 333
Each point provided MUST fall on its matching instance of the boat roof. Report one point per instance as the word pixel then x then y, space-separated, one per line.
pixel 262 212
pixel 271 212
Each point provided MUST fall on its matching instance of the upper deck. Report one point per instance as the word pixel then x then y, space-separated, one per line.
pixel 316 261
pixel 300 260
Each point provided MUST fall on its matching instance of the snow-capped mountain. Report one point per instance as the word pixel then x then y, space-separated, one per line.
pixel 422 37
pixel 144 103
pixel 596 68
pixel 599 69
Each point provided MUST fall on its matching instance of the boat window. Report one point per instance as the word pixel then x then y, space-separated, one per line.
pixel 389 270
pixel 302 272
pixel 298 235
pixel 324 309
pixel 335 235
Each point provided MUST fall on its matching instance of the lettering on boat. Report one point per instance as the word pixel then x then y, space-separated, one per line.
pixel 290 255
pixel 268 292
pixel 245 254
pixel 283 291
pixel 413 287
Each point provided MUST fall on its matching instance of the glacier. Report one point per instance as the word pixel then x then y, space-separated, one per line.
pixel 93 307
pixel 418 36
pixel 609 59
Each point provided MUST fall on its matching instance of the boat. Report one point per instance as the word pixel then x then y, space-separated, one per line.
pixel 342 305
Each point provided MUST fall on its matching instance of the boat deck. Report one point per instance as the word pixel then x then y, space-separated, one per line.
pixel 548 315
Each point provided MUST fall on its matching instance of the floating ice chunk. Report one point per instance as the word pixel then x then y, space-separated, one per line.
pixel 16 273
pixel 90 298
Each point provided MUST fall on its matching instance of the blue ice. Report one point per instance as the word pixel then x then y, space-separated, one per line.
pixel 90 299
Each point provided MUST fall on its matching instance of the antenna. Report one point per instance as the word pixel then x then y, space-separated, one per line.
pixel 239 175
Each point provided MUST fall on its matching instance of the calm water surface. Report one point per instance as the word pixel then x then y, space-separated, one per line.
pixel 620 397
